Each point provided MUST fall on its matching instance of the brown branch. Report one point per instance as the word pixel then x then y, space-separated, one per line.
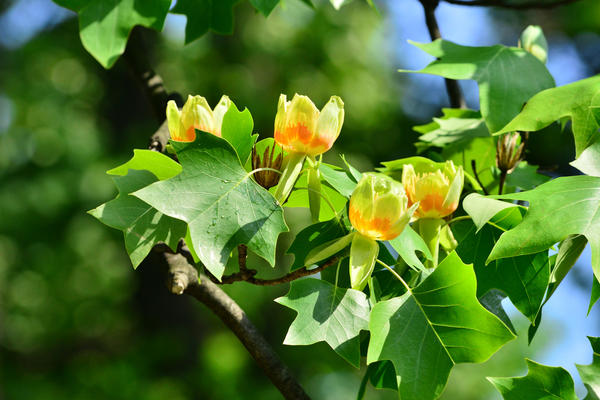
pixel 183 278
pixel 247 275
pixel 457 100
pixel 516 6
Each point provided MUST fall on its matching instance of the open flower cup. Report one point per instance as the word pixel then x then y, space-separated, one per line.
pixel 379 210
pixel 304 131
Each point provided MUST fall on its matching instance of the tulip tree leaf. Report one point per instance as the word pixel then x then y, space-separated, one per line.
pixel 590 374
pixel 142 225
pixel 339 179
pixel 576 100
pixel 202 15
pixel 264 6
pixel 452 131
pixel 237 130
pixel 525 177
pixel 327 313
pixel 221 204
pixel 434 326
pixel 589 160
pixel 524 278
pixel 104 25
pixel 311 237
pixel 559 208
pixel 492 67
pixel 407 244
pixel 541 383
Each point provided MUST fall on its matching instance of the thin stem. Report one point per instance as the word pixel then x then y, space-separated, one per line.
pixel 395 274
pixel 474 168
pixel 248 275
pixel 329 203
pixel 503 174
pixel 456 219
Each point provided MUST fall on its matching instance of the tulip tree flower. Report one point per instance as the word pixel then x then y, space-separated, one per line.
pixel 302 131
pixel 437 190
pixel 379 210
pixel 195 114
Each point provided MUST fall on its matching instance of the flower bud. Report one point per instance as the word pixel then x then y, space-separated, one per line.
pixel 195 114
pixel 301 128
pixel 437 190
pixel 267 178
pixel 509 151
pixel 379 207
pixel 533 41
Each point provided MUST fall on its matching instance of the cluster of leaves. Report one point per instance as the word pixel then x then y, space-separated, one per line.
pixel 411 334
pixel 105 25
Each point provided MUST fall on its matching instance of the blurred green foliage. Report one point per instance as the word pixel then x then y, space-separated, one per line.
pixel 75 320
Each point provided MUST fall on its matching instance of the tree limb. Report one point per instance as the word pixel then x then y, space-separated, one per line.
pixel 457 100
pixel 506 4
pixel 183 278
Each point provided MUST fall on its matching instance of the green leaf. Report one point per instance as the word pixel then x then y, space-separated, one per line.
pixel 202 15
pixel 559 208
pixel 311 237
pixel 568 253
pixel 589 160
pixel 426 331
pixel 481 209
pixel 480 149
pixel 74 5
pixel 104 25
pixel 492 67
pixel 329 249
pixel 264 6
pixel 595 293
pixel 237 130
pixel 452 131
pixel 142 225
pixel 338 178
pixel 525 177
pixel 407 244
pixel 333 202
pixel 327 313
pixel 575 100
pixel 523 278
pixel 221 204
pixel 160 165
pixel 540 383
pixel 590 374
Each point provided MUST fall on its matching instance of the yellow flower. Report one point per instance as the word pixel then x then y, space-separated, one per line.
pixel 437 190
pixel 301 128
pixel 379 207
pixel 195 114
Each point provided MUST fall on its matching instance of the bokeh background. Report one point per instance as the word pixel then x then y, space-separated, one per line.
pixel 77 322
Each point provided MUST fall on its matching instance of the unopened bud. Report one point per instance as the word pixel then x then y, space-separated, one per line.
pixel 533 41
pixel 509 151
pixel 267 178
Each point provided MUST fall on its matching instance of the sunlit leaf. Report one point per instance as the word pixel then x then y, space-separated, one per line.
pixel 426 331
pixel 142 225
pixel 575 100
pixel 559 208
pixel 491 67
pixel 541 383
pixel 221 204
pixel 327 313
